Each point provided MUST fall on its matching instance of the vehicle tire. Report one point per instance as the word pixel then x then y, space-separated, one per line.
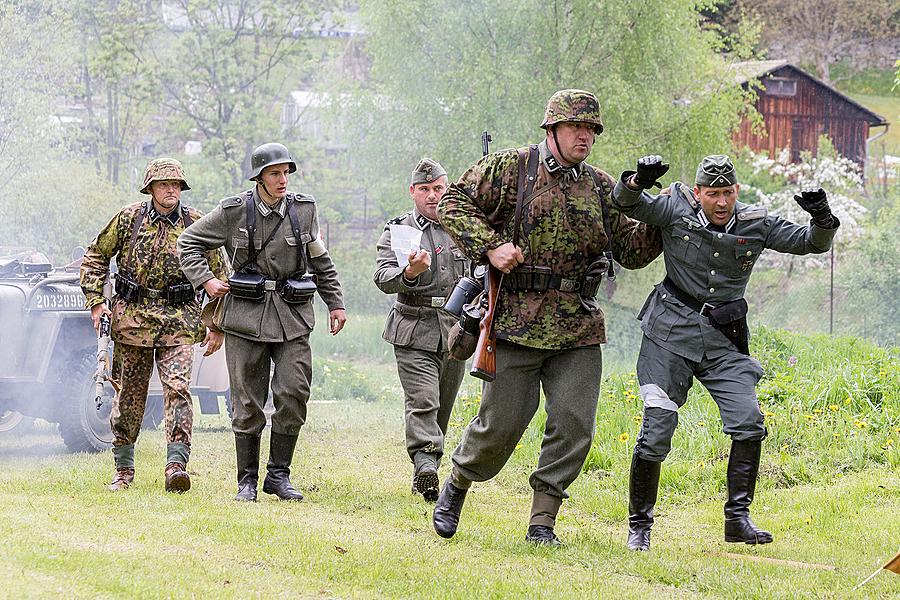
pixel 14 423
pixel 82 426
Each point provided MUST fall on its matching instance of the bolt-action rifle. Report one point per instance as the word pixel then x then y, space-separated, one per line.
pixel 102 375
pixel 484 363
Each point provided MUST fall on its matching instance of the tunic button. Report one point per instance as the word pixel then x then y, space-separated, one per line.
pixel 749 252
pixel 665 296
pixel 712 272
pixel 686 238
pixel 711 290
pixel 720 235
pixel 716 254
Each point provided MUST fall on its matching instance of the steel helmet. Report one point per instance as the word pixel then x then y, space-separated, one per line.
pixel 573 106
pixel 161 169
pixel 267 155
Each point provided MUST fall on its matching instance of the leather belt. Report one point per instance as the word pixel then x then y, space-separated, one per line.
pixel 685 298
pixel 416 300
pixel 539 279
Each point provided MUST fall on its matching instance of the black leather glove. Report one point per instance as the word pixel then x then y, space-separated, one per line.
pixel 649 170
pixel 815 202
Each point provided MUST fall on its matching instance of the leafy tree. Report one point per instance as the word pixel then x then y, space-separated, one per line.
pixel 226 68
pixel 116 81
pixel 826 31
pixel 32 73
pixel 443 72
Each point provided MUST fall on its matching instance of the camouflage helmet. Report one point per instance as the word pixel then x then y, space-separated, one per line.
pixel 716 170
pixel 573 106
pixel 162 169
pixel 426 171
pixel 267 155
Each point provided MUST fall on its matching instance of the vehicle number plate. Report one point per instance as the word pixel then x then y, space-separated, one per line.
pixel 57 299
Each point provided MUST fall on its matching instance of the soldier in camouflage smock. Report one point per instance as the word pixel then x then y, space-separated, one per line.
pixel 418 329
pixel 155 313
pixel 548 324
pixel 694 323
pixel 272 237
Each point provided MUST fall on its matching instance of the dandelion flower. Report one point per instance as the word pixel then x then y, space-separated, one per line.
pixel 808 520
pixel 624 437
pixel 834 407
pixel 701 423
pixel 860 424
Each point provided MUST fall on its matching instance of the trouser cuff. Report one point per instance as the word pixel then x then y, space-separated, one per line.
pixel 544 509
pixel 177 452
pixel 124 456
pixel 459 481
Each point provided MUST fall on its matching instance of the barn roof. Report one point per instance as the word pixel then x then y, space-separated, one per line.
pixel 756 69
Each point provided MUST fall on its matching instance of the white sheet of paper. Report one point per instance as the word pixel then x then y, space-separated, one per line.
pixel 405 239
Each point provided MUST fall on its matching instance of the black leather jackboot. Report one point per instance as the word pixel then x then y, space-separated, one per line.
pixel 278 470
pixel 448 509
pixel 743 467
pixel 643 485
pixel 247 449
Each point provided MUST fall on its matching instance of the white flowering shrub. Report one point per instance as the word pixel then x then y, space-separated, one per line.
pixel 838 176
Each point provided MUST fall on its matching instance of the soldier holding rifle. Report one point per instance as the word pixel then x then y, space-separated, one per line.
pixel 155 315
pixel 541 216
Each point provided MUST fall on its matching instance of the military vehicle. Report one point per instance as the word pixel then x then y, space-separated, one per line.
pixel 48 357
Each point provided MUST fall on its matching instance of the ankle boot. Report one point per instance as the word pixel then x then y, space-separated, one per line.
pixel 247 449
pixel 743 467
pixel 425 476
pixel 448 509
pixel 643 485
pixel 177 478
pixel 123 478
pixel 278 470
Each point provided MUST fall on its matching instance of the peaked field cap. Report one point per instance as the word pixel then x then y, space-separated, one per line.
pixel 426 171
pixel 716 170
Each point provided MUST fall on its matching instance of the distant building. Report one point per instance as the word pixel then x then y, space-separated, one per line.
pixel 797 108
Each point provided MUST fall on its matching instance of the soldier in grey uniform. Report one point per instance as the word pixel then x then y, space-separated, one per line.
pixel 272 237
pixel 418 329
pixel 694 323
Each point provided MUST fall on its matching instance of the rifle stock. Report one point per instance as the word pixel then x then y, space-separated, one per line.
pixel 484 363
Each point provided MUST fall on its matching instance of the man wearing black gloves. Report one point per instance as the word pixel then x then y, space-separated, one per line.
pixel 695 324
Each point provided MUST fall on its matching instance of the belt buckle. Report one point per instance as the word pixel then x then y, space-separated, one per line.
pixel 704 310
pixel 568 285
pixel 152 294
pixel 437 301
pixel 270 285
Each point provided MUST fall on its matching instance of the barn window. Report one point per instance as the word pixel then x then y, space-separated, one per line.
pixel 781 86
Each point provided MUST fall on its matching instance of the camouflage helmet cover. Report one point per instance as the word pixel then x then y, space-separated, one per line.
pixel 163 169
pixel 267 155
pixel 716 170
pixel 426 171
pixel 573 106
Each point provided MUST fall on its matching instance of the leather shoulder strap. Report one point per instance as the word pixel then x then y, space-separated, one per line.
pixel 528 164
pixel 135 228
pixel 295 227
pixel 602 192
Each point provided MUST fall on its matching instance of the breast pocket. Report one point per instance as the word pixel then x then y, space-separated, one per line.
pixel 686 245
pixel 745 257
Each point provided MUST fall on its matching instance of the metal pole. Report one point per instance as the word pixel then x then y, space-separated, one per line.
pixel 831 297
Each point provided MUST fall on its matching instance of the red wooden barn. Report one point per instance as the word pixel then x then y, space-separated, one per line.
pixel 797 108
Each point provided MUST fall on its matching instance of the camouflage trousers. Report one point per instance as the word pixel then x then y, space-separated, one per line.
pixel 132 366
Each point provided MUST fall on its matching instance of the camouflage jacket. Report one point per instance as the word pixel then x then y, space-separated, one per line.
pixel 562 228
pixel 153 263
pixel 273 319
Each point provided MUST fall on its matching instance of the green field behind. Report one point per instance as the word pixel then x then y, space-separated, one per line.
pixel 829 491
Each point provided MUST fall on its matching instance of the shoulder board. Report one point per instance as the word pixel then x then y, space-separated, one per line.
pixel 751 213
pixel 399 220
pixel 232 202
pixel 685 192
pixel 298 197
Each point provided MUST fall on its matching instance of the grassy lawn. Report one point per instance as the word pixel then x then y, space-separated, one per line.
pixel 889 108
pixel 361 534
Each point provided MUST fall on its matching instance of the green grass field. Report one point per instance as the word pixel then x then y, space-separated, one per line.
pixel 829 491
